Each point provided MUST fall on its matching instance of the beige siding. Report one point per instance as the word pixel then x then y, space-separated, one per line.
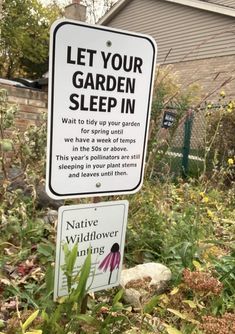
pixel 182 33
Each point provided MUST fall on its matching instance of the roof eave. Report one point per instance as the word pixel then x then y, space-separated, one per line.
pixel 113 11
pixel 190 3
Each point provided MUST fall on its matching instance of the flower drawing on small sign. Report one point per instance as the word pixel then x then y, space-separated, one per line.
pixel 111 261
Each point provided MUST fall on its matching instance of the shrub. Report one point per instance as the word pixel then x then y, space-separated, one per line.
pixel 220 145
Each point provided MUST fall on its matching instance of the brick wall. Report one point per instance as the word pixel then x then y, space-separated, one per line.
pixel 209 73
pixel 31 103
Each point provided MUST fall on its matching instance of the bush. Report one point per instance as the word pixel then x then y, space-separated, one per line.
pixel 220 144
pixel 168 95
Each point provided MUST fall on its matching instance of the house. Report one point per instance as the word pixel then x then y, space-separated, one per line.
pixel 197 37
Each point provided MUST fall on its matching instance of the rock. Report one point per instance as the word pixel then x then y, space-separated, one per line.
pixel 143 281
pixel 51 217
pixel 133 297
pixel 44 201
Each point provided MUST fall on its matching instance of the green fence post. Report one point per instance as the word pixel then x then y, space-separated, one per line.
pixel 186 147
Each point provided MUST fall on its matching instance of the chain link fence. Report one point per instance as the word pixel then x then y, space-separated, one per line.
pixel 181 152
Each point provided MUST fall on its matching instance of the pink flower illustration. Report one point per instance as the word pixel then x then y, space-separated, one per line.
pixel 111 261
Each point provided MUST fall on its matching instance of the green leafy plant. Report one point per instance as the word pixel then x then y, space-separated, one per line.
pixel 75 303
pixel 7 114
pixel 19 56
pixel 24 326
pixel 55 320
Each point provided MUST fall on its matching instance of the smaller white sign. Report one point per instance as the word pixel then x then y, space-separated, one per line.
pixel 100 227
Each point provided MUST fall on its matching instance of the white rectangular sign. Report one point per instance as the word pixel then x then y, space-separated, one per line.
pixel 100 87
pixel 100 226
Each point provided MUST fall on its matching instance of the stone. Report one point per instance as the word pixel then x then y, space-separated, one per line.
pixel 143 281
pixel 19 183
pixel 51 217
pixel 133 297
pixel 44 201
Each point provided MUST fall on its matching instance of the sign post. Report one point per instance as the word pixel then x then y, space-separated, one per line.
pixel 99 108
pixel 100 90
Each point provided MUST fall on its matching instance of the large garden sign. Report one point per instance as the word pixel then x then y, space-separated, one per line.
pixel 100 86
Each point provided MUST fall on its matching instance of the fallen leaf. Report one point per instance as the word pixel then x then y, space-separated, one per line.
pixel 5 281
pixel 172 330
pixel 11 305
pixel 25 267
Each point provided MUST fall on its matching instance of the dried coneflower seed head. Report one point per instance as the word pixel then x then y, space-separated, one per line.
pixel 115 248
pixel 219 325
pixel 202 282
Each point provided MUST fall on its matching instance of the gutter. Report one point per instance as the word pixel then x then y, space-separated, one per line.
pixel 210 7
